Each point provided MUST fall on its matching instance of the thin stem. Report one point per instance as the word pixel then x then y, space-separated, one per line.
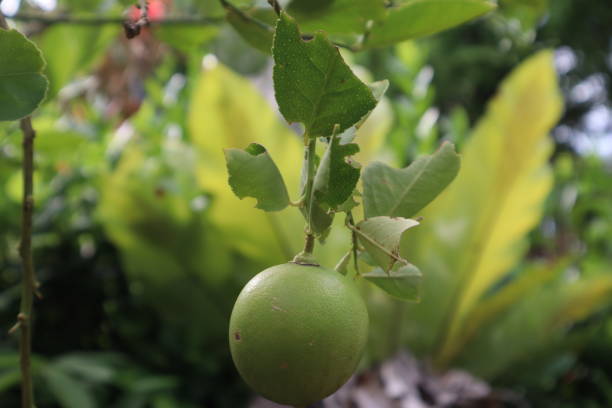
pixel 25 250
pixel 276 6
pixel 376 244
pixel 354 240
pixel 95 21
pixel 29 283
pixel 310 152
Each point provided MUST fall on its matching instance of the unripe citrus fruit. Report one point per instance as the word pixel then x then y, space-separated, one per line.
pixel 297 332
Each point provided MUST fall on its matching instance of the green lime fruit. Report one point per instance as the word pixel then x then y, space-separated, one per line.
pixel 297 332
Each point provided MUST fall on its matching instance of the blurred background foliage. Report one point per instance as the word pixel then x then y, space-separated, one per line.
pixel 141 247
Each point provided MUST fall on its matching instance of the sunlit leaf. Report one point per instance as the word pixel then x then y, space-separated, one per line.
pixel 313 84
pixel 22 84
pixel 476 229
pixel 227 111
pixel 252 173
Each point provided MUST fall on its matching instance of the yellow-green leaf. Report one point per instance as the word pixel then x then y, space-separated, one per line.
pixel 475 230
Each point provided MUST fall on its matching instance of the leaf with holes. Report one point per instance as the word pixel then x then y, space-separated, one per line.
pixel 22 84
pixel 381 237
pixel 252 173
pixel 402 282
pixel 313 85
pixel 403 192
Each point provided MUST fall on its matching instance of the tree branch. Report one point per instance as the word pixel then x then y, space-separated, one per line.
pixel 95 21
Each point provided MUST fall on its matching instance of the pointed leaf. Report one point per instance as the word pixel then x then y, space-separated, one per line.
pixel 402 282
pixel 381 236
pixel 477 228
pixel 252 173
pixel 403 192
pixel 22 84
pixel 255 32
pixel 336 175
pixel 418 18
pixel 313 84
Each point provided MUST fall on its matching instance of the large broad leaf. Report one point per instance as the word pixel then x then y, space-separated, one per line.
pixel 67 390
pixel 22 84
pixel 343 17
pixel 403 192
pixel 418 18
pixel 536 323
pixel 337 175
pixel 476 229
pixel 402 282
pixel 381 237
pixel 252 173
pixel 313 85
pixel 227 111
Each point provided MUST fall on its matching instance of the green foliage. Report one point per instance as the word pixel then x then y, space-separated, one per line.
pixel 252 173
pixel 257 33
pixel 343 17
pixel 403 282
pixel 22 84
pixel 337 175
pixel 313 85
pixel 72 50
pixel 418 18
pixel 403 193
pixel 381 236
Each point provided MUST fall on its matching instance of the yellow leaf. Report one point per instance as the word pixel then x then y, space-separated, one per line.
pixel 227 111
pixel 474 232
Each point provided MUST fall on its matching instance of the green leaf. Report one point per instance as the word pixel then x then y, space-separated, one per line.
pixel 381 237
pixel 255 32
pixel 403 192
pixel 22 84
pixel 343 17
pixel 476 229
pixel 418 18
pixel 186 38
pixel 403 283
pixel 336 175
pixel 252 173
pixel 69 392
pixel 313 84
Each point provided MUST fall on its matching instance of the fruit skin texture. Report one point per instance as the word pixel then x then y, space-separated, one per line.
pixel 297 332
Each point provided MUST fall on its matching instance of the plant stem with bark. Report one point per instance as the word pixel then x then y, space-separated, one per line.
pixel 29 283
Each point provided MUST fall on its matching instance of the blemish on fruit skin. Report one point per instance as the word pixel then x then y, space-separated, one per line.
pixel 278 308
pixel 284 366
pixel 237 336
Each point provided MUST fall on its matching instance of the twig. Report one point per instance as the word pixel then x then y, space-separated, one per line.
pixel 29 283
pixel 275 6
pixel 94 21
